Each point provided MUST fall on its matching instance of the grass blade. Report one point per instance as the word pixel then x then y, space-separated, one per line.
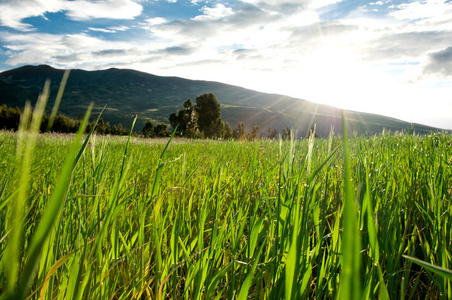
pixel 432 268
pixel 243 294
pixel 51 213
pixel 350 285
pixel 58 100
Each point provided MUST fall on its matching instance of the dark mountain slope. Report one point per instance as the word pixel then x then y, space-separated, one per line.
pixel 128 93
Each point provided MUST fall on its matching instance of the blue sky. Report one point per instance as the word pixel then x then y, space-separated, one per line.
pixel 386 57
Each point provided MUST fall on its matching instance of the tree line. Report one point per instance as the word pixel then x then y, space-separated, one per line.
pixel 203 120
pixel 10 119
pixel 199 120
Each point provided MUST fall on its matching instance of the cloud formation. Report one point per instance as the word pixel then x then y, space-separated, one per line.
pixel 110 9
pixel 12 12
pixel 247 30
pixel 440 63
pixel 332 48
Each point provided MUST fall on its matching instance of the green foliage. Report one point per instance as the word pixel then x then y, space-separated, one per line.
pixel 161 130
pixel 209 115
pixel 10 117
pixel 228 133
pixel 148 130
pixel 202 121
pixel 205 219
pixel 185 120
pixel 271 133
pixel 286 133
pixel 254 134
pixel 239 132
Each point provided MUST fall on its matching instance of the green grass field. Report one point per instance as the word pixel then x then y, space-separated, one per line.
pixel 113 218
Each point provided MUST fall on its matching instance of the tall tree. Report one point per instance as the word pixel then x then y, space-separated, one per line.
pixel 161 130
pixel 271 133
pixel 227 131
pixel 192 128
pixel 286 134
pixel 148 129
pixel 254 132
pixel 182 118
pixel 239 131
pixel 209 115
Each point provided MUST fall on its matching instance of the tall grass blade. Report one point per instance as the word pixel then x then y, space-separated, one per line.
pixel 350 285
pixel 244 289
pixel 27 137
pixel 432 268
pixel 56 105
pixel 52 211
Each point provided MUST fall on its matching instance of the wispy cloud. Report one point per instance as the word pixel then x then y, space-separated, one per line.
pixel 109 9
pixel 12 12
pixel 109 29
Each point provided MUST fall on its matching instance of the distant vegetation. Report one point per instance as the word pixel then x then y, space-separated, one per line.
pixel 204 121
pixel 200 121
pixel 10 118
pixel 129 93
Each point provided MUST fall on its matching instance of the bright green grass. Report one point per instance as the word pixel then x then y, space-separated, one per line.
pixel 227 220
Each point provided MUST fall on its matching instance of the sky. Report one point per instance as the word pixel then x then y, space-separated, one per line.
pixel 388 57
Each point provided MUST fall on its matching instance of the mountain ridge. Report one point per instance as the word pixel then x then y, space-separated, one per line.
pixel 128 92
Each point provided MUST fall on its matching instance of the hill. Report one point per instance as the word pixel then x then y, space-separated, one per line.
pixel 128 93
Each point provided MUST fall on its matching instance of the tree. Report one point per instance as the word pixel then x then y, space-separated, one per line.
pixel 161 130
pixel 119 130
pixel 227 131
pixel 100 128
pixel 239 131
pixel 107 128
pixel 192 129
pixel 286 134
pixel 271 133
pixel 182 118
pixel 254 133
pixel 209 115
pixel 148 129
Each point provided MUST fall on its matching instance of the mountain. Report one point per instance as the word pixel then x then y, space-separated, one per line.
pixel 128 93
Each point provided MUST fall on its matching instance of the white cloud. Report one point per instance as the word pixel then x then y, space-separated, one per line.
pixel 276 2
pixel 422 9
pixel 119 28
pixel 156 21
pixel 213 13
pixel 290 5
pixel 101 30
pixel 12 12
pixel 109 29
pixel 110 9
pixel 78 50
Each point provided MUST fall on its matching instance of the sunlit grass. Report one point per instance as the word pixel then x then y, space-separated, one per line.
pixel 118 218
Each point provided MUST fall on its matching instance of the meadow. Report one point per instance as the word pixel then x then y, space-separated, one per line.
pixel 89 217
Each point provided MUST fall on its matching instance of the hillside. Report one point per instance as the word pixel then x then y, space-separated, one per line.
pixel 128 93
